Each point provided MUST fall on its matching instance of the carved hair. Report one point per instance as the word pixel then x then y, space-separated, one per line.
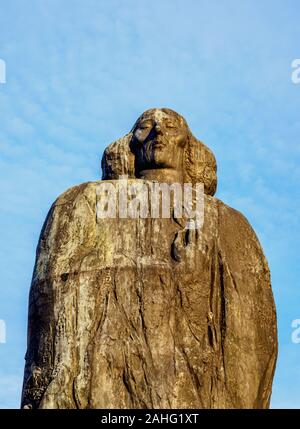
pixel 199 161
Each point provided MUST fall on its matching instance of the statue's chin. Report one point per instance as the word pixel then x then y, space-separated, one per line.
pixel 160 159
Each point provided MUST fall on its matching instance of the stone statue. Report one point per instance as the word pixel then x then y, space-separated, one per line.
pixel 148 312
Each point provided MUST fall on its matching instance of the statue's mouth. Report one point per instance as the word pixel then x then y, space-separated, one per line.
pixel 158 145
pixel 152 147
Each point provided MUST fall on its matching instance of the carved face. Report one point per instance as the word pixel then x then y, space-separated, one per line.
pixel 159 139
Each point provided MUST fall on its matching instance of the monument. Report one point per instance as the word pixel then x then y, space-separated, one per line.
pixel 149 311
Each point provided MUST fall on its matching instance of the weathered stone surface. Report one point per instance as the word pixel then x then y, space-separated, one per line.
pixel 146 313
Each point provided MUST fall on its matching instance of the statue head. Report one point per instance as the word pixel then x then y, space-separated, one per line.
pixel 160 146
pixel 159 137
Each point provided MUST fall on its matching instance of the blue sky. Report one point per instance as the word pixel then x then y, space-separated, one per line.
pixel 78 75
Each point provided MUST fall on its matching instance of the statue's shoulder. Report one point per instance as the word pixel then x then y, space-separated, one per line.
pixel 226 214
pixel 73 200
pixel 71 215
pixel 237 235
pixel 86 190
pixel 231 216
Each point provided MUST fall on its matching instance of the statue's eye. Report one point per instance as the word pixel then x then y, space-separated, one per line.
pixel 144 126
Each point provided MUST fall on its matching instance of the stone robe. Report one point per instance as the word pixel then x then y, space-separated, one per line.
pixel 140 313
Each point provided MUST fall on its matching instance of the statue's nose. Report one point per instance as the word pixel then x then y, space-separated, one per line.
pixel 157 128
